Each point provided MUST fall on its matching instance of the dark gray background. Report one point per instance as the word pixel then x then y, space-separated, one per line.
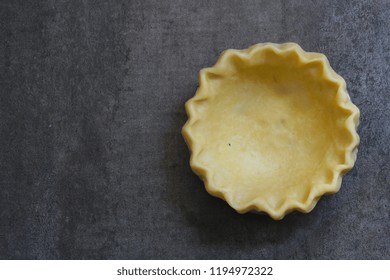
pixel 93 164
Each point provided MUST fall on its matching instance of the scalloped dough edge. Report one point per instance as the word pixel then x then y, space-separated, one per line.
pixel 343 100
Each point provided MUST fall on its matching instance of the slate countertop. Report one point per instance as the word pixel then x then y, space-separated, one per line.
pixel 93 165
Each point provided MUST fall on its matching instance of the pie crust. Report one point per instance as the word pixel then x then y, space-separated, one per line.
pixel 271 129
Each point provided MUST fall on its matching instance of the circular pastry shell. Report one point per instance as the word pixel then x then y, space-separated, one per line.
pixel 199 143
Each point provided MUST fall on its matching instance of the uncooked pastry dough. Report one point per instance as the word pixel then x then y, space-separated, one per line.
pixel 271 129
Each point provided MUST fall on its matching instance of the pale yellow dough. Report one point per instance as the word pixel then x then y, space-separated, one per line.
pixel 271 129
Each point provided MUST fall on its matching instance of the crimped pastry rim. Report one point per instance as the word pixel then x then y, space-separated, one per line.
pixel 343 101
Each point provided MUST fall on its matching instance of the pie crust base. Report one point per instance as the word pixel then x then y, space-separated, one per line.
pixel 271 129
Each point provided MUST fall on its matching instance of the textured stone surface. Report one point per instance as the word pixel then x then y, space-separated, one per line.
pixel 92 163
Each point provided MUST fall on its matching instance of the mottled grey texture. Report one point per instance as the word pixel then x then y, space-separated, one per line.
pixel 92 162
